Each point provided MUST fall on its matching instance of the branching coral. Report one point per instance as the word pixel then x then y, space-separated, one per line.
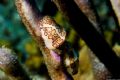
pixel 116 8
pixel 51 37
pixel 86 8
pixel 48 34
pixel 87 31
pixel 10 65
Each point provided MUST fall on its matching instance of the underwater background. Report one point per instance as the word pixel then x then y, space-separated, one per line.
pixel 14 35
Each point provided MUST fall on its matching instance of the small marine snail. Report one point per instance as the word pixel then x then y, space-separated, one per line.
pixel 53 35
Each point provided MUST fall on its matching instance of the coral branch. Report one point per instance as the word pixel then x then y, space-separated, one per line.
pixel 116 8
pixel 86 7
pixel 93 39
pixel 11 66
pixel 49 36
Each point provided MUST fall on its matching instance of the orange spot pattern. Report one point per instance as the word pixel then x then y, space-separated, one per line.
pixel 51 34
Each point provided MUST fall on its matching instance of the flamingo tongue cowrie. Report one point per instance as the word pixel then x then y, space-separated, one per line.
pixel 43 27
pixel 53 35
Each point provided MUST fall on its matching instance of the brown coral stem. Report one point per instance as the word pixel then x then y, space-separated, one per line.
pixel 47 33
pixel 10 65
pixel 93 39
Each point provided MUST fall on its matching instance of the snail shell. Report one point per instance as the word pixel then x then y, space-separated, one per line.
pixel 53 35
